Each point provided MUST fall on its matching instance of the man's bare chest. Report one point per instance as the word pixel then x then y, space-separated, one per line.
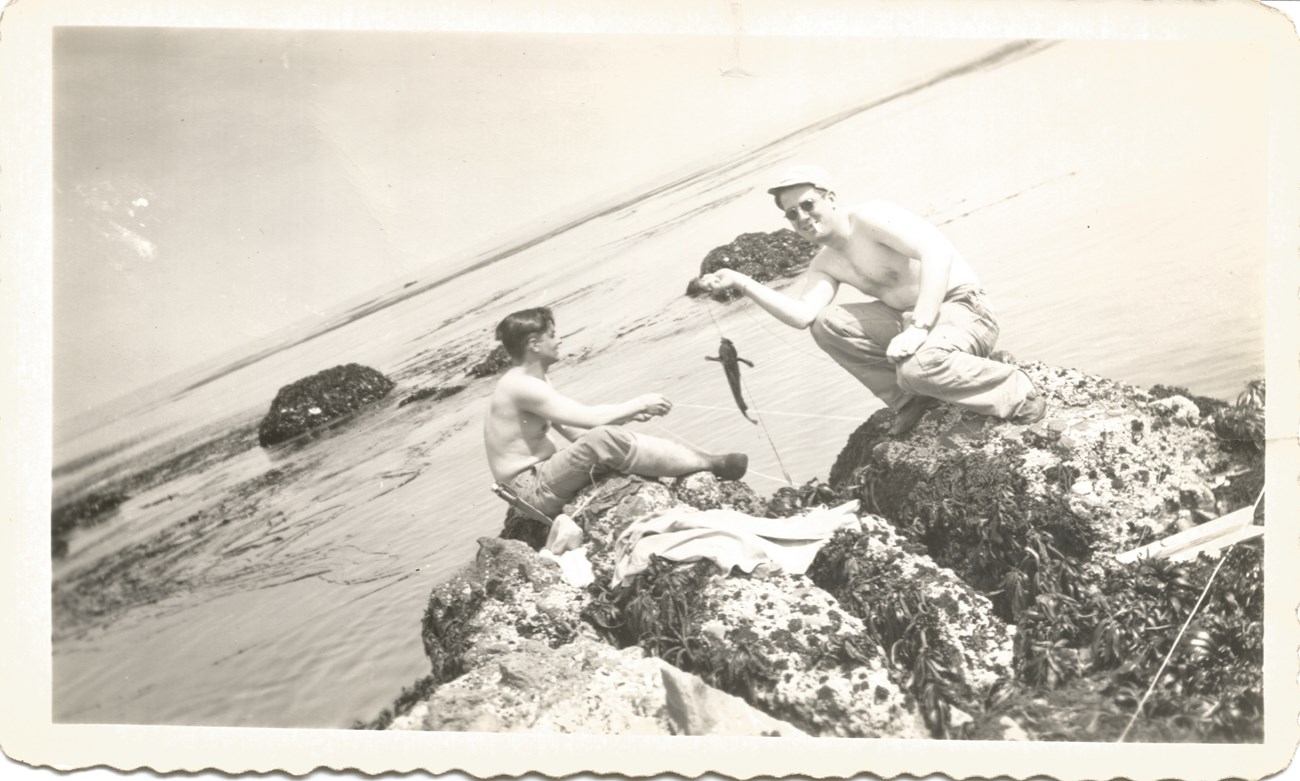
pixel 870 267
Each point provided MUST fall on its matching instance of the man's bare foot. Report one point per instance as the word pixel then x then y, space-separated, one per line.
pixel 732 466
pixel 907 416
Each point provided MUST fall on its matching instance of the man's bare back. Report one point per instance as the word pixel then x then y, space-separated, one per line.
pixel 515 438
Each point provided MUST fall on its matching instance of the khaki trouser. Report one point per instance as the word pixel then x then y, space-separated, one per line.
pixel 952 364
pixel 550 484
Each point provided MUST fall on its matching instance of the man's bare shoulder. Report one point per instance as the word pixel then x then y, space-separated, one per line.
pixel 878 212
pixel 516 382
pixel 821 262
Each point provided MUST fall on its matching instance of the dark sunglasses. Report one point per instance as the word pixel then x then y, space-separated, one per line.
pixel 806 206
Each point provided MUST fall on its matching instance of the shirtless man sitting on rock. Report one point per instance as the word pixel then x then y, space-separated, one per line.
pixel 928 334
pixel 525 407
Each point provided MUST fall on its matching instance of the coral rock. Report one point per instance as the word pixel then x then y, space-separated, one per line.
pixel 704 491
pixel 586 687
pixel 973 488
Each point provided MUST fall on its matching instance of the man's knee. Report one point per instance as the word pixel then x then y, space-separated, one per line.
pixel 826 328
pixel 925 366
pixel 612 446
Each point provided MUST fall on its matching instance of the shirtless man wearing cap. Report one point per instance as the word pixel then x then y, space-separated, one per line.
pixel 928 334
pixel 525 408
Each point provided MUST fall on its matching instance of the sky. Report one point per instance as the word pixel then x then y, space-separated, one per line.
pixel 213 187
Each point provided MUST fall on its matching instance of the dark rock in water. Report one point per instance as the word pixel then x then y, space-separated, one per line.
pixel 319 399
pixel 89 510
pixel 435 394
pixel 762 256
pixel 496 362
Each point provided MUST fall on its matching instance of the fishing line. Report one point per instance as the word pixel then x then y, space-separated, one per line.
pixel 708 303
pixel 771 412
pixel 1223 554
pixel 775 335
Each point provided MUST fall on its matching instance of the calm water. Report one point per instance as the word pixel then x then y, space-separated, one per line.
pixel 1118 223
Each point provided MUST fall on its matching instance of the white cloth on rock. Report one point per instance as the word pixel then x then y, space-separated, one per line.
pixel 730 539
pixel 575 567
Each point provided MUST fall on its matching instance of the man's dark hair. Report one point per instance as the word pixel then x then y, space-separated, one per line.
pixel 518 326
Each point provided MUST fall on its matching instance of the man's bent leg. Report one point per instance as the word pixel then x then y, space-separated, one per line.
pixel 598 452
pixel 607 449
pixel 952 365
pixel 856 336
pixel 655 457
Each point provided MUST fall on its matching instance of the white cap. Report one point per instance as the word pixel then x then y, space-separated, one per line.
pixel 803 174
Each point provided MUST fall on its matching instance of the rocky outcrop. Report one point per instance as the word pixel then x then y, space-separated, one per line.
pixel 782 644
pixel 586 687
pixel 975 594
pixel 496 362
pixel 935 626
pixel 90 510
pixel 1032 516
pixel 433 394
pixel 319 399
pixel 508 597
pixel 1109 466
pixel 506 638
pixel 761 256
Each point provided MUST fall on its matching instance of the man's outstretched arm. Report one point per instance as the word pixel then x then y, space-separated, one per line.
pixel 818 291
pixel 538 397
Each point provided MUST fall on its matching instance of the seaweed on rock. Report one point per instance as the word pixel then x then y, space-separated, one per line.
pixel 657 611
pixel 417 692
pixel 1117 634
pixel 979 518
pixel 778 642
pixel 1031 516
pixel 1241 426
pixel 933 626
